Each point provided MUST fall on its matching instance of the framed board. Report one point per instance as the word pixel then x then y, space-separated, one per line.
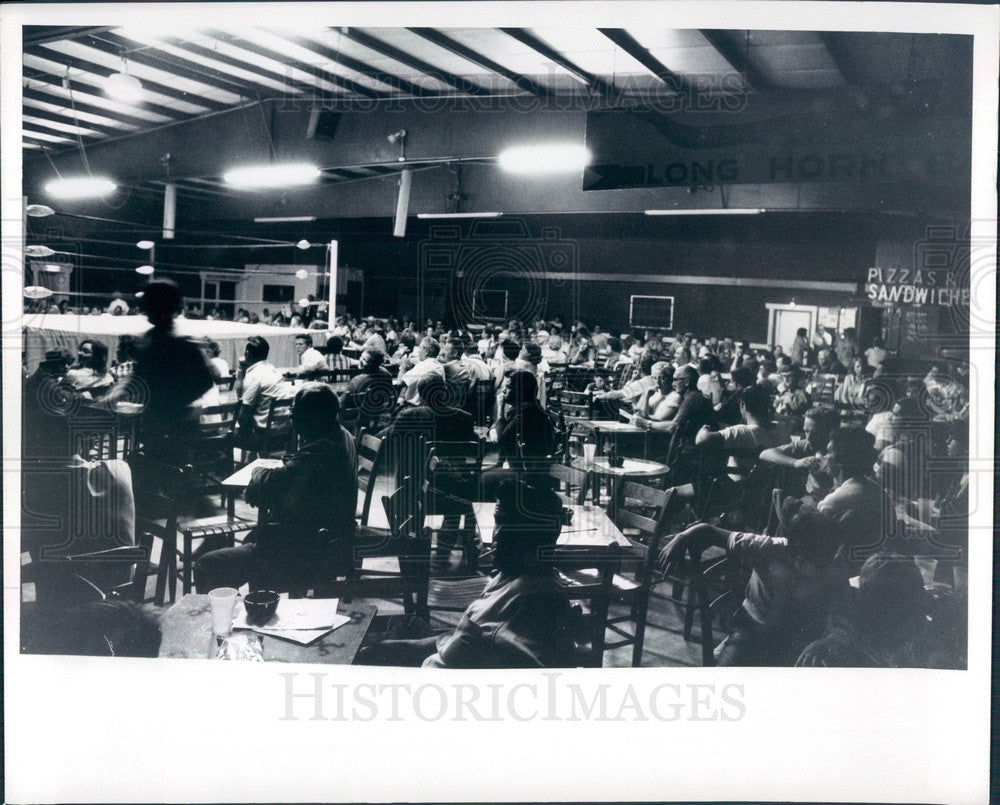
pixel 490 305
pixel 651 312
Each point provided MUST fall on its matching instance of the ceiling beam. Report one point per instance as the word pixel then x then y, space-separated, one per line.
pixel 91 94
pixel 319 50
pixel 71 135
pixel 26 135
pixel 624 40
pixel 737 56
pixel 225 58
pixel 392 52
pixel 152 57
pixel 69 120
pixel 43 34
pixel 94 68
pixel 592 82
pixel 467 53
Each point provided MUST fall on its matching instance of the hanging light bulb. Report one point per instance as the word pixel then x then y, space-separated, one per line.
pixel 52 267
pixel 302 274
pixel 39 251
pixel 146 245
pixel 303 244
pixel 122 86
pixel 145 270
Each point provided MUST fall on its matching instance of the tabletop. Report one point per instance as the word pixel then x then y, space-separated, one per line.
pixel 631 467
pixel 590 526
pixel 241 478
pixel 187 634
pixel 610 426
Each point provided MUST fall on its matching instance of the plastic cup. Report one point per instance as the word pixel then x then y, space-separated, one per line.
pixel 589 451
pixel 223 600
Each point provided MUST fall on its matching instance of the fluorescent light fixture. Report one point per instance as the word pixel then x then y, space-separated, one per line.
pixel 262 176
pixel 145 245
pixel 721 211
pixel 541 159
pixel 145 270
pixel 123 87
pixel 52 267
pixel 459 214
pixel 80 187
pixel 286 219
pixel 39 210
pixel 39 251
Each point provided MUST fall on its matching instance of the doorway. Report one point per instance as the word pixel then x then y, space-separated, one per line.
pixel 786 320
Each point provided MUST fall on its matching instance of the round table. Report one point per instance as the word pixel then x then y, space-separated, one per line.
pixel 632 468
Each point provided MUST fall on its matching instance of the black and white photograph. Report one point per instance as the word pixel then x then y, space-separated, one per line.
pixel 588 368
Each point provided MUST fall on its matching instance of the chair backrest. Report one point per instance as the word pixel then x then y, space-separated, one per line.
pixel 596 589
pixel 218 420
pixel 573 483
pixel 454 470
pixel 642 516
pixel 225 383
pixel 824 388
pixel 278 434
pixel 576 406
pixel 371 460
pixel 98 575
pixel 481 401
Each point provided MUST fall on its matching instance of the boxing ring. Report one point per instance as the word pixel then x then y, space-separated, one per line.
pixel 45 331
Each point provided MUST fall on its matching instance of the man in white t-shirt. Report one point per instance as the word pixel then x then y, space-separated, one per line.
pixel 744 442
pixel 310 358
pixel 256 386
pixel 426 362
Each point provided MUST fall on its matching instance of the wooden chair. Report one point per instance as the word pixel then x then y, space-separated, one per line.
pixel 94 434
pixel 371 464
pixel 406 541
pixel 278 434
pixel 481 402
pixel 823 389
pixel 574 483
pixel 642 514
pixel 587 576
pixel 453 474
pixel 115 573
pixel 225 383
pixel 158 490
pixel 711 585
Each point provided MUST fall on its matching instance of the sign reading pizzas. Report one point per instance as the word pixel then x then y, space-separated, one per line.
pixel 907 286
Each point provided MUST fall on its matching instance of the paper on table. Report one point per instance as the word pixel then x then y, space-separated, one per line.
pixel 298 613
pixel 302 636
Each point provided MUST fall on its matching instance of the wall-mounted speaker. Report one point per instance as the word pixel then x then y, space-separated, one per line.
pixel 322 124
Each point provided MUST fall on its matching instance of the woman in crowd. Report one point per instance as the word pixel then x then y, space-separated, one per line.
pixel 90 373
pixel 851 391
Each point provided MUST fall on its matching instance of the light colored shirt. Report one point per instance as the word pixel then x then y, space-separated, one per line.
pixel 749 440
pixel 428 366
pixel 875 356
pixel 867 504
pixel 634 389
pixel 312 359
pixel 261 383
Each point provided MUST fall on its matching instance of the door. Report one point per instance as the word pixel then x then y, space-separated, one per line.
pixel 786 323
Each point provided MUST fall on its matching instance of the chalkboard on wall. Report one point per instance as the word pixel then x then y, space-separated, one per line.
pixel 651 312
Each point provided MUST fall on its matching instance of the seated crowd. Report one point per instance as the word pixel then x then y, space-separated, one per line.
pixel 839 431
